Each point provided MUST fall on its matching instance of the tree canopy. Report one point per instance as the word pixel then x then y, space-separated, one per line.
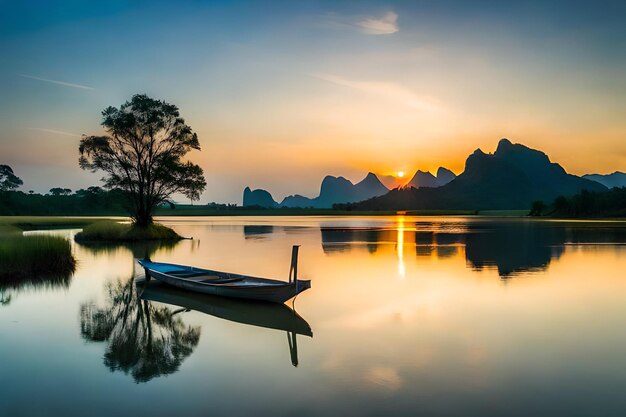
pixel 8 179
pixel 57 191
pixel 142 154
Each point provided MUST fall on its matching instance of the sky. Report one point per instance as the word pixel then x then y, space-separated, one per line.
pixel 283 93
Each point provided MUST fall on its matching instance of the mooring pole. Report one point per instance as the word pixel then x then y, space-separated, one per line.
pixel 294 265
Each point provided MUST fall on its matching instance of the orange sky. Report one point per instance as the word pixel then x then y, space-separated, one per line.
pixel 281 99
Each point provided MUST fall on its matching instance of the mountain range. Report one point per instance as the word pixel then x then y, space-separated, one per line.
pixel 616 179
pixel 511 178
pixel 426 179
pixel 337 190
pixel 333 190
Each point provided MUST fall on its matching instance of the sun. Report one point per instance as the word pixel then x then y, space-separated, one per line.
pixel 400 174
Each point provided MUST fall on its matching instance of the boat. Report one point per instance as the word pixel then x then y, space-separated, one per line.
pixel 227 284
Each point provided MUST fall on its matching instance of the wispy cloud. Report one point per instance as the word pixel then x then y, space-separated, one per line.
pixel 389 90
pixel 63 83
pixel 56 132
pixel 385 25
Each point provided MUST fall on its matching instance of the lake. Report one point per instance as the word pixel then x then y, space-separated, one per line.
pixel 439 316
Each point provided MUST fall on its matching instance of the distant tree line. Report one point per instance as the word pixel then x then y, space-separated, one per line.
pixel 61 201
pixel 610 203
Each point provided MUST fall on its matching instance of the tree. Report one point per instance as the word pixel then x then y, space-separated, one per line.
pixel 537 208
pixel 142 155
pixel 57 191
pixel 8 180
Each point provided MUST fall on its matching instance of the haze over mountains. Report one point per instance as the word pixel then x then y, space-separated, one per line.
pixel 616 179
pixel 511 178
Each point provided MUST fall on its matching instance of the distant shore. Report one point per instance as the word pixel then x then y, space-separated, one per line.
pixel 53 221
pixel 79 222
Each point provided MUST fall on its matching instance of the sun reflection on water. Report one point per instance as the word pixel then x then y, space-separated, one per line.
pixel 400 247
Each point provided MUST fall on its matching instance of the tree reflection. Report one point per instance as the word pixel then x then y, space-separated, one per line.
pixel 144 340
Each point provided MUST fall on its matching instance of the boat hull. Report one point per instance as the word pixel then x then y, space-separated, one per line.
pixel 270 290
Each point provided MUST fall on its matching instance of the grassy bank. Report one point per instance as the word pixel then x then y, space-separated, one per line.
pixel 111 231
pixel 32 257
pixel 47 222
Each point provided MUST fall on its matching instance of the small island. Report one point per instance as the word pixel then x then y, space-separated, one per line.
pixel 141 156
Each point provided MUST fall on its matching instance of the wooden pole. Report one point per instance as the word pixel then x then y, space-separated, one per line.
pixel 294 264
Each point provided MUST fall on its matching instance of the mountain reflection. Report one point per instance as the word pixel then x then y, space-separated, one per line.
pixel 257 231
pixel 511 246
pixel 143 339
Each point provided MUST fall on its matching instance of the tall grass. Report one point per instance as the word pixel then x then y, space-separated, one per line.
pixel 33 256
pixel 46 222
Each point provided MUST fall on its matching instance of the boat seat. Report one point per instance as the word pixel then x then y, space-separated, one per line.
pixel 210 279
pixel 187 274
pixel 218 280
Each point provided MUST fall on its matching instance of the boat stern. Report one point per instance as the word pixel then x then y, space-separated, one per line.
pixel 303 285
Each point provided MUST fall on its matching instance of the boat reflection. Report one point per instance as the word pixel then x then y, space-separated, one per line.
pixel 259 314
pixel 143 339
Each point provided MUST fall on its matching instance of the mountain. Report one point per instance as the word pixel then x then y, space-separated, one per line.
pixel 297 200
pixel 444 176
pixel 339 190
pixel 258 197
pixel 369 186
pixel 616 179
pixel 390 181
pixel 426 179
pixel 422 179
pixel 511 178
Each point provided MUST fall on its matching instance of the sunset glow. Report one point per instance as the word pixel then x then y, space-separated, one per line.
pixel 319 88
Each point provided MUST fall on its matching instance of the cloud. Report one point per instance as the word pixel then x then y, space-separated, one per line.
pixel 389 90
pixel 383 26
pixel 63 83
pixel 56 132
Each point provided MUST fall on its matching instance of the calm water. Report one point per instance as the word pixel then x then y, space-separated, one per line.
pixel 409 316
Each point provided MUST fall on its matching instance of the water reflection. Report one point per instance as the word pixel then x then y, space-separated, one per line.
pixel 10 287
pixel 144 340
pixel 259 314
pixel 140 250
pixel 257 231
pixel 512 247
pixel 383 345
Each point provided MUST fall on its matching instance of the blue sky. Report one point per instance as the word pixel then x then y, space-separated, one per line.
pixel 283 93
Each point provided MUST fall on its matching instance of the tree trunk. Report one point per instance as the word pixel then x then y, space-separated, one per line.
pixel 143 218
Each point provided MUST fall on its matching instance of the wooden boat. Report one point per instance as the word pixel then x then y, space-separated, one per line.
pixel 225 284
pixel 259 314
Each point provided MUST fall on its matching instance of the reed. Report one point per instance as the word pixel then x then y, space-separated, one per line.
pixel 34 255
pixel 46 222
